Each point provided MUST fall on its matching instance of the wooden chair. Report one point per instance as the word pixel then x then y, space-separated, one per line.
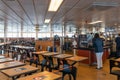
pixel 114 68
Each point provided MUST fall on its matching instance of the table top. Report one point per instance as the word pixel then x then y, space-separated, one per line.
pixel 50 54
pixel 6 60
pixel 2 56
pixel 77 58
pixel 19 70
pixel 22 47
pixel 118 59
pixel 4 43
pixel 40 52
pixel 62 56
pixel 12 64
pixel 42 76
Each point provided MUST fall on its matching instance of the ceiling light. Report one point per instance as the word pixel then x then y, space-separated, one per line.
pixel 95 22
pixel 54 5
pixel 47 20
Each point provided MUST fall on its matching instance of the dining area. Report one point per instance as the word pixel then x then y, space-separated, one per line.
pixel 50 66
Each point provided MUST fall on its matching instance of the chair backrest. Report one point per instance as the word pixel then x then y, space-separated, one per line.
pixel 114 63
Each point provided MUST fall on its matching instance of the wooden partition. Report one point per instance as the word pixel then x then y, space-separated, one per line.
pixel 43 43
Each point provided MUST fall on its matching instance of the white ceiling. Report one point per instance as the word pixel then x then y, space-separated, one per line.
pixel 31 12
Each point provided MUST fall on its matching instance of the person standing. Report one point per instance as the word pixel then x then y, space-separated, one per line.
pixel 117 40
pixel 98 46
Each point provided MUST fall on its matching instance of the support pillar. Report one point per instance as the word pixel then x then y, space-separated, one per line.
pixel 21 34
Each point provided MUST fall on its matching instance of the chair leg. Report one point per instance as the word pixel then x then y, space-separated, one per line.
pixel 118 77
pixel 44 63
pixel 63 75
pixel 69 76
pixel 74 73
pixel 42 68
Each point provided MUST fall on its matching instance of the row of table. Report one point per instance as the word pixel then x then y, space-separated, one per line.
pixel 15 68
pixel 61 57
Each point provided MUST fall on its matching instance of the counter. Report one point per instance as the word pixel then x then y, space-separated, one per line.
pixel 89 52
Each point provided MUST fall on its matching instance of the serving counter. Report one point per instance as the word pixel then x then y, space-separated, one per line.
pixel 89 52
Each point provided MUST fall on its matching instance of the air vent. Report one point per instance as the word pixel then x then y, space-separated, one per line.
pixel 100 6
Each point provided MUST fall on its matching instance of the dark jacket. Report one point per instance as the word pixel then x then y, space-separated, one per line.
pixel 98 44
pixel 117 40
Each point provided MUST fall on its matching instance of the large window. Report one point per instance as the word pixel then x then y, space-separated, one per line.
pixel 14 30
pixel 1 30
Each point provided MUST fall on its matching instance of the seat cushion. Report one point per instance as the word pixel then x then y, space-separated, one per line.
pixel 67 68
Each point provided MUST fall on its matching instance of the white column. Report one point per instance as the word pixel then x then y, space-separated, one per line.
pixel 83 30
pixel 17 30
pixel 5 31
pixel 102 29
pixel 63 29
pixel 21 29
pixel 37 31
pixel 62 38
pixel 51 30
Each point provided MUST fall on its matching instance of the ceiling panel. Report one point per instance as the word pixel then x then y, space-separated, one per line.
pixel 27 10
pixel 64 9
pixel 30 12
pixel 41 10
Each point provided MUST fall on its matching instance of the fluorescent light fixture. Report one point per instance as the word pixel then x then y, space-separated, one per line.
pixel 95 22
pixel 47 20
pixel 54 5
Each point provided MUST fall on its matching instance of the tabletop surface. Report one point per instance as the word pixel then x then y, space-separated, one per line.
pixel 42 76
pixel 62 56
pixel 4 43
pixel 6 60
pixel 50 54
pixel 10 64
pixel 22 47
pixel 118 59
pixel 2 56
pixel 77 58
pixel 19 70
pixel 40 52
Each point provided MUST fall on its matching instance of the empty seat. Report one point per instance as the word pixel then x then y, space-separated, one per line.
pixel 70 70
pixel 115 68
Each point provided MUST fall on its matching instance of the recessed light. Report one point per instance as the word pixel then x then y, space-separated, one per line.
pixel 54 5
pixel 47 20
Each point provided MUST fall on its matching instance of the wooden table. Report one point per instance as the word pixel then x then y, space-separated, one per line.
pixel 42 76
pixel 48 57
pixel 118 59
pixel 6 60
pixel 12 64
pixel 50 54
pixel 19 71
pixel 2 56
pixel 77 58
pixel 63 56
pixel 40 52
pixel 22 47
